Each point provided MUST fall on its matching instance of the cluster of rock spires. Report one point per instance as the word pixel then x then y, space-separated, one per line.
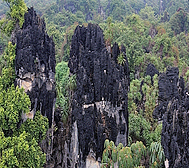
pixel 173 109
pixel 98 104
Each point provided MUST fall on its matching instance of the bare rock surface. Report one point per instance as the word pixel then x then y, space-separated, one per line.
pixel 173 109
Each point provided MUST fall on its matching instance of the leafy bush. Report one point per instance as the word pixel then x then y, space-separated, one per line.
pixel 146 104
pixel 120 59
pixel 8 71
pixel 157 156
pixel 134 95
pixel 151 96
pixel 64 83
pixel 122 156
pixel 133 156
pixel 62 79
pixel 18 145
pixel 36 127
pixel 20 151
pixel 13 103
pixel 156 134
pixel 138 151
pixel 139 128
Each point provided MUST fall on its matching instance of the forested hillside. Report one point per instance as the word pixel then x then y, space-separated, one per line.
pixel 151 36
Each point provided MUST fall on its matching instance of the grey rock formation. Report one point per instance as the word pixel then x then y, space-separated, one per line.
pixel 173 109
pixel 99 102
pixel 35 64
pixel 170 86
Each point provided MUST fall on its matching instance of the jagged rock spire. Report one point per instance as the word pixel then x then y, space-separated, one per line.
pixel 35 64
pixel 173 110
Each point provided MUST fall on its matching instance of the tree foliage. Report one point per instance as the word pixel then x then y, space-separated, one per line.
pixel 142 97
pixel 13 103
pixel 17 9
pixel 133 156
pixel 152 32
pixel 20 151
pixel 157 156
pixel 122 156
pixel 36 128
pixel 65 83
pixel 8 72
pixel 18 142
pixel 179 22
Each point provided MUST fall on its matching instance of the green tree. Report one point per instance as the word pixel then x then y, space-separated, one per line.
pixel 109 31
pixel 36 128
pixel 147 13
pixel 8 72
pixel 146 104
pixel 180 21
pixel 13 103
pixel 151 96
pixel 17 10
pixel 139 129
pixel 64 84
pixel 180 51
pixel 163 49
pixel 18 142
pixel 165 17
pixel 19 151
pixel 136 5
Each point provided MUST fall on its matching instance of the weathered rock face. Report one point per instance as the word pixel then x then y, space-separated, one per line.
pixel 173 108
pixel 35 64
pixel 99 102
pixel 170 86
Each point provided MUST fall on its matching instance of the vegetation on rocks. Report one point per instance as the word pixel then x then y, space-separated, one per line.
pixel 152 32
pixel 18 141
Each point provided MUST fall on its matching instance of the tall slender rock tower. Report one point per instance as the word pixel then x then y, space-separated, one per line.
pixel 35 64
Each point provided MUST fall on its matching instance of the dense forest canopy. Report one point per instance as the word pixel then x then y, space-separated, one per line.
pixel 152 31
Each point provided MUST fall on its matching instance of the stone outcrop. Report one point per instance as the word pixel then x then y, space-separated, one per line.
pixel 173 109
pixel 35 64
pixel 99 107
pixel 170 86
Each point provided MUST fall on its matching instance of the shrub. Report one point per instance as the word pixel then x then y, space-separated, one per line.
pixel 123 156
